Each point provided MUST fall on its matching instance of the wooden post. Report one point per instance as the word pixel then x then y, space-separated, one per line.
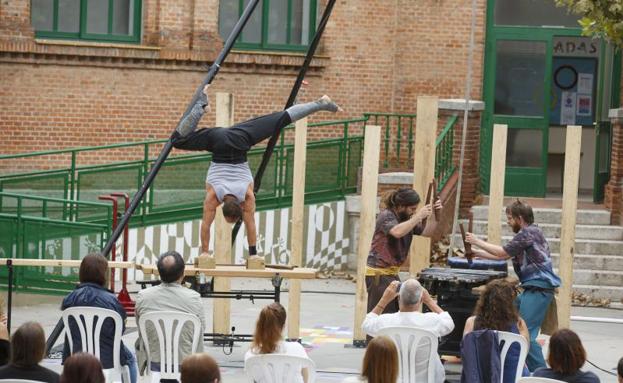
pixel 496 183
pixel 298 217
pixel 369 189
pixel 222 229
pixel 567 231
pixel 423 173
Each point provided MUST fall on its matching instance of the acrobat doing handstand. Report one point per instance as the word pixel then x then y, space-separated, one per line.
pixel 229 181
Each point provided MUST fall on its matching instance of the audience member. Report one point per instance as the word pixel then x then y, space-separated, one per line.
pixel 170 295
pixel 411 297
pixel 268 338
pixel 5 345
pixel 92 292
pixel 27 351
pixel 82 367
pixel 620 370
pixel 380 363
pixel 200 368
pixel 496 310
pixel 566 357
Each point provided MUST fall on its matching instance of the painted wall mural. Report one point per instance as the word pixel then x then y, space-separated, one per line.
pixel 325 235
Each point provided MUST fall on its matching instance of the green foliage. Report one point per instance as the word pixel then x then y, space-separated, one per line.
pixel 600 18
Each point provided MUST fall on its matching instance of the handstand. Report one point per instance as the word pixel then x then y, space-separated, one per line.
pixel 229 179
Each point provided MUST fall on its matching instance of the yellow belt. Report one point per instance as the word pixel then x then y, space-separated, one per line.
pixel 373 271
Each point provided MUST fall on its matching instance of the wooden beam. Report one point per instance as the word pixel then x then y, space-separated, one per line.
pixel 222 229
pixel 369 189
pixel 423 172
pixel 496 183
pixel 239 271
pixel 63 263
pixel 298 217
pixel 567 231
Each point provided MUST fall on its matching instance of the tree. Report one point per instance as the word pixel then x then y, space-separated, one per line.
pixel 599 18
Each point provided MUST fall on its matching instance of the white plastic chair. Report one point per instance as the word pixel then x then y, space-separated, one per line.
pixel 278 368
pixel 536 379
pixel 509 338
pixel 407 340
pixel 89 321
pixel 168 326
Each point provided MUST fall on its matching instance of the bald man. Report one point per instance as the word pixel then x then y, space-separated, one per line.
pixel 411 295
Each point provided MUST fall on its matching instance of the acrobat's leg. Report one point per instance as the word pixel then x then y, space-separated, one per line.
pixel 258 129
pixel 296 112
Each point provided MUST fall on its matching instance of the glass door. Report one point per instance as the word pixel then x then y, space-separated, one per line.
pixel 521 99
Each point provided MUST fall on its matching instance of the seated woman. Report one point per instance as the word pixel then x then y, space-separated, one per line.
pixel 268 338
pixel 27 351
pixel 496 310
pixel 92 292
pixel 82 368
pixel 566 357
pixel 200 368
pixel 380 363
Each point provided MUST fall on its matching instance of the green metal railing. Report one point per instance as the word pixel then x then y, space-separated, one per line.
pixel 178 191
pixel 445 162
pixel 55 214
pixel 398 138
pixel 44 228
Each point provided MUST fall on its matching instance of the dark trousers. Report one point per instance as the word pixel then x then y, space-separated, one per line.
pixel 231 145
pixel 376 286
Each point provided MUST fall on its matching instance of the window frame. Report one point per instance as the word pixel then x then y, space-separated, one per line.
pixel 264 45
pixel 82 34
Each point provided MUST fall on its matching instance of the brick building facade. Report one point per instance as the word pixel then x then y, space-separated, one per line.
pixel 374 56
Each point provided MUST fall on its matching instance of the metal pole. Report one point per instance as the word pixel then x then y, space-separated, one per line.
pixel 468 89
pixel 9 303
pixel 169 144
pixel 257 181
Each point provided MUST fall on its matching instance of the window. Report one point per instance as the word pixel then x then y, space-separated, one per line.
pixel 274 24
pixel 533 13
pixel 103 20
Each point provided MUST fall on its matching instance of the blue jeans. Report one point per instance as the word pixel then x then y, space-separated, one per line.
pixel 533 305
pixel 131 363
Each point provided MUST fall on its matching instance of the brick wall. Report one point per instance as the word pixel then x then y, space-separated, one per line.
pixel 375 56
pixel 614 188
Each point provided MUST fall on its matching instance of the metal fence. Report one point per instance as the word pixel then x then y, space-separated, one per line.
pixel 44 228
pixel 54 213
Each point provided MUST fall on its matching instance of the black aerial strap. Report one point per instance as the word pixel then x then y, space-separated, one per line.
pixel 257 181
pixel 169 144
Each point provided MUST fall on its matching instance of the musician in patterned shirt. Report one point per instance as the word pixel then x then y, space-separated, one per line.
pixel 532 262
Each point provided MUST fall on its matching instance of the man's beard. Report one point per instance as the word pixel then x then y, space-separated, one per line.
pixel 403 216
pixel 516 227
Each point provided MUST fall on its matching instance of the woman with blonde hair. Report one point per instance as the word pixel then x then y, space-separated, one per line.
pixel 380 363
pixel 268 338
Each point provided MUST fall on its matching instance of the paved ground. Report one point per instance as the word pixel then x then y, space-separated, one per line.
pixel 327 322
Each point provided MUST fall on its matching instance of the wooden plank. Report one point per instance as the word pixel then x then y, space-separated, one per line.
pixel 239 271
pixel 423 172
pixel 298 217
pixel 63 263
pixel 369 189
pixel 496 183
pixel 567 230
pixel 222 229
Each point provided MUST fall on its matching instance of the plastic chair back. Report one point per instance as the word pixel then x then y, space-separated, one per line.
pixel 408 340
pixel 278 368
pixel 168 326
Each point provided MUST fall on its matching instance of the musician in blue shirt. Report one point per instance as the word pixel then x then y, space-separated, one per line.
pixel 532 262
